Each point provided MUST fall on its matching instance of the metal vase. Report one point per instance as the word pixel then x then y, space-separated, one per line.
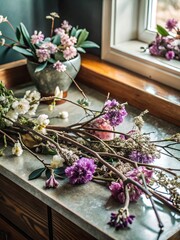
pixel 47 79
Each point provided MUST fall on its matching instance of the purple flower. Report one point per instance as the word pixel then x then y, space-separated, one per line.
pixel 81 171
pixel 117 191
pixel 117 188
pixel 66 26
pixel 52 48
pixel 42 54
pixel 70 52
pixel 136 174
pixel 37 37
pixel 51 182
pixel 141 157
pixel 114 112
pixel 59 66
pixel 154 50
pixel 171 23
pixel 170 55
pixel 122 219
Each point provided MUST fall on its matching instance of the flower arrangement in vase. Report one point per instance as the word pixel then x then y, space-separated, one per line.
pixel 60 52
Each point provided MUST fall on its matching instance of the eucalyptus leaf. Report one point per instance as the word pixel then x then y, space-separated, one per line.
pixel 78 33
pixel 80 49
pixel 88 44
pixel 162 31
pixel 23 51
pixel 36 173
pixel 41 67
pixel 26 36
pixel 73 32
pixel 82 37
pixel 57 39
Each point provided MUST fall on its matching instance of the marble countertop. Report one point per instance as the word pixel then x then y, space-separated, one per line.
pixel 89 206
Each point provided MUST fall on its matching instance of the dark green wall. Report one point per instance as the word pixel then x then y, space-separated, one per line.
pixel 84 13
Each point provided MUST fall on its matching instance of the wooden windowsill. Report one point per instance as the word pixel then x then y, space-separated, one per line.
pixel 143 93
pixel 161 101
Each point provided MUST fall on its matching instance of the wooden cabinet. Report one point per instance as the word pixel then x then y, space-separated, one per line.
pixel 23 210
pixel 30 216
pixel 8 232
pixel 66 230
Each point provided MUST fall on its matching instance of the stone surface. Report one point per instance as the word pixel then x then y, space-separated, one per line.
pixel 89 206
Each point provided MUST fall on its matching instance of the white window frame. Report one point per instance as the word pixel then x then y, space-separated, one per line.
pixel 124 49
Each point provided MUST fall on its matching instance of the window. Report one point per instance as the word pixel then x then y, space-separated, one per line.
pixel 129 25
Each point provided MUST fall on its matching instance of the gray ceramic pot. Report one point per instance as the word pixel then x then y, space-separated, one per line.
pixel 47 79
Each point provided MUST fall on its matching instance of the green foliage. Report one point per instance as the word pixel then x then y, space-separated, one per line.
pixel 23 51
pixel 41 67
pixel 82 37
pixel 162 31
pixel 36 173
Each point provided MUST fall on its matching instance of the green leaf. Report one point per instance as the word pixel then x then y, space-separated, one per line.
pixel 36 173
pixel 78 33
pixel 23 51
pixel 51 60
pixel 48 39
pixel 82 37
pixel 57 39
pixel 26 36
pixel 59 171
pixel 162 31
pixel 48 173
pixel 73 32
pixel 89 44
pixel 80 49
pixel 41 67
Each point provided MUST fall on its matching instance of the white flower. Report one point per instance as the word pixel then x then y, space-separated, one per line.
pixel 58 93
pixel 32 96
pixel 17 149
pixel 21 106
pixel 40 129
pixel 12 115
pixel 0 33
pixel 3 19
pixel 43 120
pixel 64 114
pixel 2 42
pixel 32 110
pixel 57 161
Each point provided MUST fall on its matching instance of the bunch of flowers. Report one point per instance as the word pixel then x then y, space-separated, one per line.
pixel 63 44
pixel 91 149
pixel 167 44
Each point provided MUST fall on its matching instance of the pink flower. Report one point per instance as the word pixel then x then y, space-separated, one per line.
pixel 59 31
pixel 65 25
pixel 70 52
pixel 59 66
pixel 68 41
pixel 37 37
pixel 170 55
pixel 42 54
pixel 51 182
pixel 171 23
pixel 52 48
pixel 102 124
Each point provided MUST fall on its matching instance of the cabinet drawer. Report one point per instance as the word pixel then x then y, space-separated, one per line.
pixel 7 232
pixel 23 210
pixel 66 230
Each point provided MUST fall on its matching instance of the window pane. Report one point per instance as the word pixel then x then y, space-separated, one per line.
pixel 162 10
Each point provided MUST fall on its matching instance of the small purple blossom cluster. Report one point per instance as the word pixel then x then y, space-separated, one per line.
pixel 140 157
pixel 117 188
pixel 81 171
pixel 120 220
pixel 166 45
pixel 114 112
